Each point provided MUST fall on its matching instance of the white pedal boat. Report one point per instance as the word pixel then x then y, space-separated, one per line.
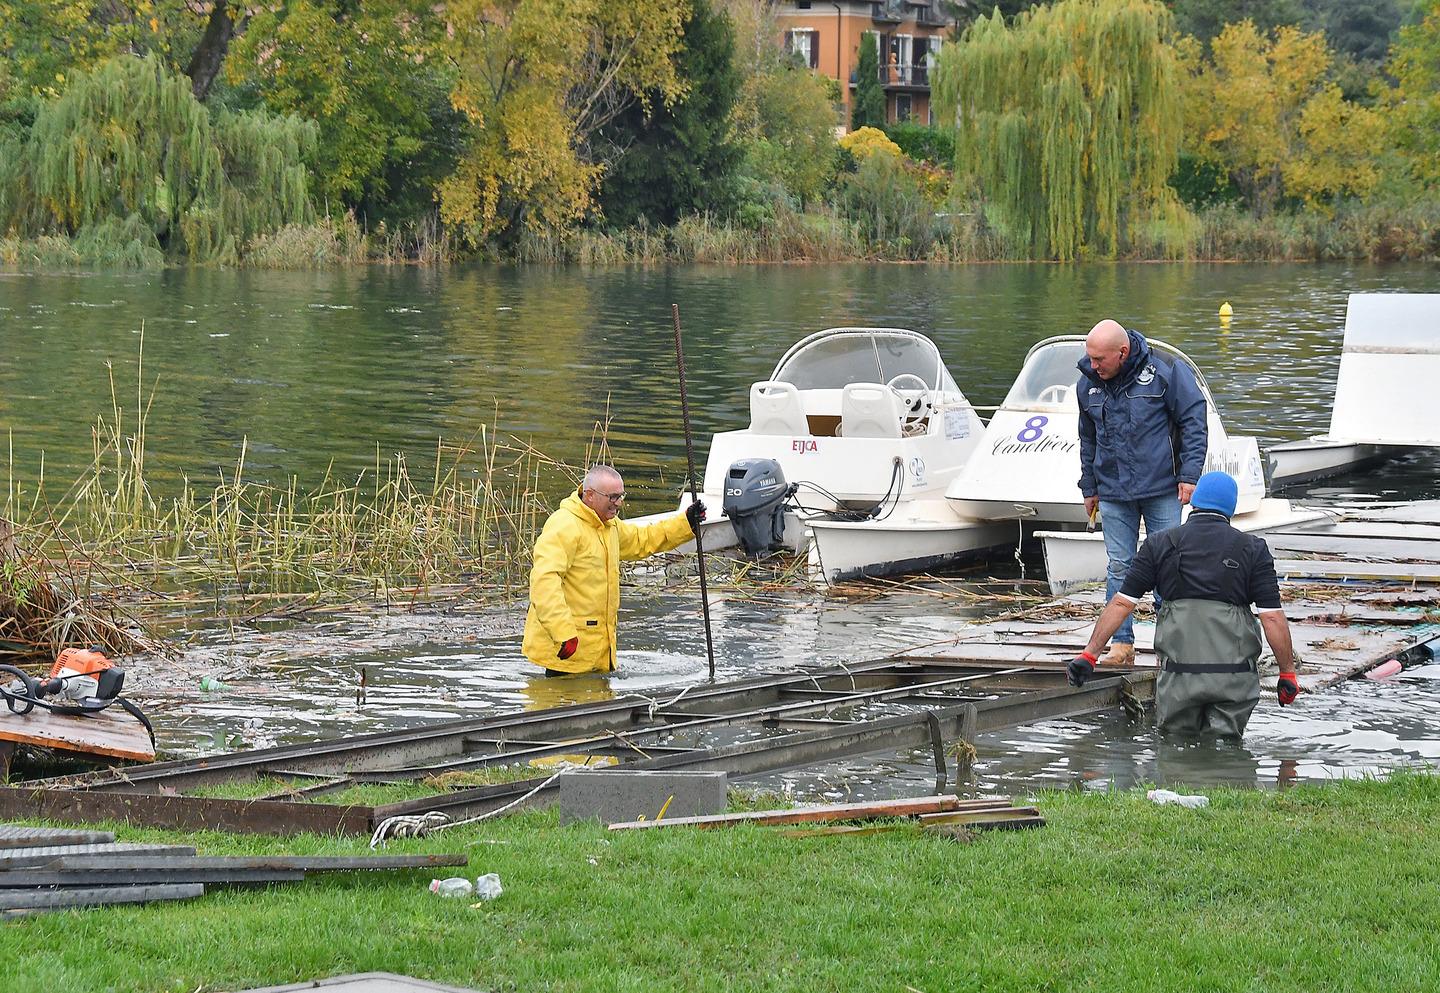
pixel 871 427
pixel 1027 467
pixel 1028 464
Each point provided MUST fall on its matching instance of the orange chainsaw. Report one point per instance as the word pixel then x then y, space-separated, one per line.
pixel 82 681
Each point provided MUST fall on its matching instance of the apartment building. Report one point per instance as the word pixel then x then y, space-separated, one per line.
pixel 908 34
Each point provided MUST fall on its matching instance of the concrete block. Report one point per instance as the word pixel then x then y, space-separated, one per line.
pixel 629 794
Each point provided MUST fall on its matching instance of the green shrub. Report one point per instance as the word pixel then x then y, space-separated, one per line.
pixel 924 143
pixel 888 205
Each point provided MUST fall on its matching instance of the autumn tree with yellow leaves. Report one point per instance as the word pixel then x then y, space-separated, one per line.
pixel 538 79
pixel 1266 109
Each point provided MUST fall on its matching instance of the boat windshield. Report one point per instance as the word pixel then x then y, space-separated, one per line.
pixel 1048 368
pixel 1050 372
pixel 835 359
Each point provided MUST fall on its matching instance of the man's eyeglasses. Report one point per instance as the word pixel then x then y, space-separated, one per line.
pixel 612 497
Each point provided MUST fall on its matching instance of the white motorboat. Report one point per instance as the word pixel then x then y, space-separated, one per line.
pixel 1391 352
pixel 891 471
pixel 1028 464
pixel 856 417
pixel 863 425
pixel 1025 472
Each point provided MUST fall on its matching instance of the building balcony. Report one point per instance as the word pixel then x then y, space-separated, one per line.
pixel 901 77
pixel 886 12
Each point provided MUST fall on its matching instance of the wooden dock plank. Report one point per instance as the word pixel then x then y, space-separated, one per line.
pixel 305 863
pixel 15 858
pixel 1368 529
pixel 13 879
pixel 112 733
pixel 1360 549
pixel 1380 572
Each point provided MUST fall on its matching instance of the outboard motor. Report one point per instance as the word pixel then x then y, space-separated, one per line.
pixel 755 492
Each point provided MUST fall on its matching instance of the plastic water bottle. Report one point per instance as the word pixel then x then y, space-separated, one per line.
pixel 452 887
pixel 1170 796
pixel 487 887
pixel 209 684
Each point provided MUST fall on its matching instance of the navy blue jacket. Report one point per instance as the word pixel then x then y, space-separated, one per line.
pixel 1127 426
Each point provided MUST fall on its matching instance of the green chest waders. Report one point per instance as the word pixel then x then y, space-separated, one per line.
pixel 1207 651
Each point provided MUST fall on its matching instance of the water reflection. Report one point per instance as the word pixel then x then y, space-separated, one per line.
pixel 543 692
pixel 322 369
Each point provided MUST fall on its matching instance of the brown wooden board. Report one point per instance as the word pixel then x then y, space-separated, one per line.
pixel 112 733
pixel 799 815
pixel 185 812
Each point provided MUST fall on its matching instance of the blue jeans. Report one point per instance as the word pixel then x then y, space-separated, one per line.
pixel 1121 519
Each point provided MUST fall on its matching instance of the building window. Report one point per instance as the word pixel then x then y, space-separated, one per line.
pixel 902 107
pixel 805 44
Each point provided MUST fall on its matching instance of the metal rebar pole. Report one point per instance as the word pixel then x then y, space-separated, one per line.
pixel 690 463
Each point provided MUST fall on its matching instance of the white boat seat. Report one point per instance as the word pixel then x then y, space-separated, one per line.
pixel 870 410
pixel 775 408
pixel 1059 395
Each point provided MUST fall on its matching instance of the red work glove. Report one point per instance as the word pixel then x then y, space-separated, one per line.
pixel 1080 668
pixel 1287 688
pixel 568 649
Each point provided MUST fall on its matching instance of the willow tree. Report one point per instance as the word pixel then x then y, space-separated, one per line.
pixel 1068 120
pixel 129 140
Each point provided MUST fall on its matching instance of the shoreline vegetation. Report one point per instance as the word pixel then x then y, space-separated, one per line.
pixel 1314 887
pixel 707 131
pixel 1356 232
pixel 109 561
pixel 112 562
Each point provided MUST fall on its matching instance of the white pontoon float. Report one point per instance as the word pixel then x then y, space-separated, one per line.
pixel 1388 364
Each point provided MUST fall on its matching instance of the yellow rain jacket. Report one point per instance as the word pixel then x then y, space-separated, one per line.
pixel 575 582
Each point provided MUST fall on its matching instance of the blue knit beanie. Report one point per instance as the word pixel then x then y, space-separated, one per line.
pixel 1215 491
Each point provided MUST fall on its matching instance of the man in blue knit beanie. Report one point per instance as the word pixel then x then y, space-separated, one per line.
pixel 1207 641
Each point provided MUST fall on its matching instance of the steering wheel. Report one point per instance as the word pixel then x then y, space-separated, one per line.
pixel 1057 394
pixel 914 393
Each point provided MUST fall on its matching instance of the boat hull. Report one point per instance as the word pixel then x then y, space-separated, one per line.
pixel 1319 457
pixel 928 536
pixel 1075 558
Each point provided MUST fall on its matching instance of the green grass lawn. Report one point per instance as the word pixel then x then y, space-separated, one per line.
pixel 1319 888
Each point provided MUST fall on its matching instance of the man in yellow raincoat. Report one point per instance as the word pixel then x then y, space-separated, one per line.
pixel 575 581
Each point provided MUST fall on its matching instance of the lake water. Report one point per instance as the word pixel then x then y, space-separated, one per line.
pixel 310 370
